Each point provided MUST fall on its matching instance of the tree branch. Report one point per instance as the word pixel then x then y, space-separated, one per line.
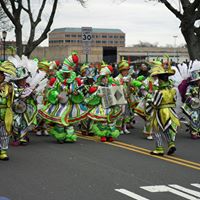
pixel 8 13
pixel 38 19
pixel 32 45
pixel 172 9
pixel 194 5
pixel 185 4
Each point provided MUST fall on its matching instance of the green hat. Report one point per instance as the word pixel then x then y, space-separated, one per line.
pixel 123 65
pixel 21 73
pixel 71 61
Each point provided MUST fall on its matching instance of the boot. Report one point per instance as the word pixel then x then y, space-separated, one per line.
pixel 171 149
pixel 194 135
pixel 3 155
pixel 103 139
pixel 23 141
pixel 45 133
pixel 125 130
pixel 109 139
pixel 159 151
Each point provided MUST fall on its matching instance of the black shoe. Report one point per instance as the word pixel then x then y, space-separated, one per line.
pixel 171 150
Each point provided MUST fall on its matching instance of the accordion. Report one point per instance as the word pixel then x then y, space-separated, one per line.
pixel 113 95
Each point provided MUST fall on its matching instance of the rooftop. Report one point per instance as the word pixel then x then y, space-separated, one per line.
pixel 94 30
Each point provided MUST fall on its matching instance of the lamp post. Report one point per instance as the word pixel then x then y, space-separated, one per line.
pixel 175 37
pixel 4 34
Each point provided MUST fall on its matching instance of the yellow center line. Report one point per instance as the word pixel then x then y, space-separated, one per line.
pixel 159 157
pixel 143 151
pixel 147 150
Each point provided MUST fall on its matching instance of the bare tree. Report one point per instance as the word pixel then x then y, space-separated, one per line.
pixel 14 13
pixel 4 20
pixel 188 12
pixel 145 44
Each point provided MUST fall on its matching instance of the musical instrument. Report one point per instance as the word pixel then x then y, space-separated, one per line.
pixel 19 106
pixel 112 96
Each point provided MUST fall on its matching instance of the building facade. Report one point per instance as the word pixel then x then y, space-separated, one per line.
pixel 100 37
pixel 97 53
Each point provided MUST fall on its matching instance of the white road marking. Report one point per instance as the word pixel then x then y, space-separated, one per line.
pixel 164 188
pixel 195 185
pixel 131 194
pixel 186 190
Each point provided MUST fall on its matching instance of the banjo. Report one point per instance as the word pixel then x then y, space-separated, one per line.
pixel 19 106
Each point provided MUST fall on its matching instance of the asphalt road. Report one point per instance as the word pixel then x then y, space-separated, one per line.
pixel 91 170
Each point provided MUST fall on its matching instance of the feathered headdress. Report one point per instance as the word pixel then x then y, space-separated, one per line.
pixel 27 68
pixel 8 68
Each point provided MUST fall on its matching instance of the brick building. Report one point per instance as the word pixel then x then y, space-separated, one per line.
pixel 100 37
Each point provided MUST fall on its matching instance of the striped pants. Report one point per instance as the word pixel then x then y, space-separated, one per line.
pixel 4 138
pixel 168 135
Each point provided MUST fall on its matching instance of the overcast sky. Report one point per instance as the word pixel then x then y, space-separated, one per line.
pixel 139 19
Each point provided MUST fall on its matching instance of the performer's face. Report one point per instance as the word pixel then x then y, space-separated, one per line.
pixel 21 83
pixel 104 80
pixel 125 72
pixel 155 78
pixel 66 75
pixel 83 74
pixel 2 77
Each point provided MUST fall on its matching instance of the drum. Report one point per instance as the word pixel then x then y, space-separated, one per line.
pixel 19 107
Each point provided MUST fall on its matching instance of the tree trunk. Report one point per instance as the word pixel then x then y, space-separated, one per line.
pixel 191 37
pixel 193 43
pixel 19 45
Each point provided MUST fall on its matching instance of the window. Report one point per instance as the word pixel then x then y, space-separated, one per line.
pixel 116 36
pixel 98 41
pixel 116 42
pixel 67 41
pixel 79 35
pixel 110 42
pixel 67 35
pixel 104 42
pixel 73 35
pixel 110 36
pixel 104 36
pixel 121 36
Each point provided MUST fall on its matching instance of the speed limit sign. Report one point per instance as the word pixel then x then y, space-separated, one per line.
pixel 86 34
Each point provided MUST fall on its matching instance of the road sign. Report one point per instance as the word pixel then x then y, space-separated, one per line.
pixel 86 34
pixel 86 39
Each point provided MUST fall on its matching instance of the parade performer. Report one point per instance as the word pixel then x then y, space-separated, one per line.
pixel 64 106
pixel 50 68
pixel 163 118
pixel 191 98
pixel 6 101
pixel 89 78
pixel 124 79
pixel 144 88
pixel 25 103
pixel 104 119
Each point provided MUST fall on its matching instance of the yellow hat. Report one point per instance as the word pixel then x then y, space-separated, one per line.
pixel 83 68
pixel 123 65
pixel 8 68
pixel 157 70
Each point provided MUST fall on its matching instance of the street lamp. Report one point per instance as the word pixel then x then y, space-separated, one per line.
pixel 4 34
pixel 175 37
